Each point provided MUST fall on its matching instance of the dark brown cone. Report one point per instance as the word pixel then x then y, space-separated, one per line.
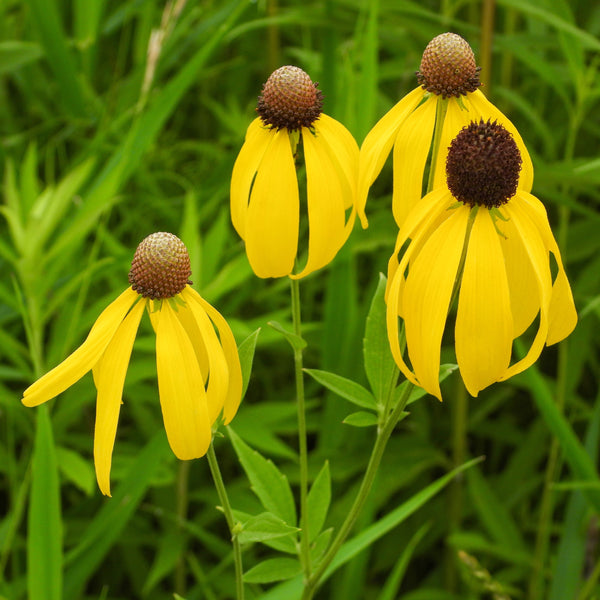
pixel 448 67
pixel 289 100
pixel 483 165
pixel 161 267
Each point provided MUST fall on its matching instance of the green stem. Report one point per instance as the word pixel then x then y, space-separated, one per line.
pixel 226 506
pixel 383 436
pixel 440 115
pixel 302 444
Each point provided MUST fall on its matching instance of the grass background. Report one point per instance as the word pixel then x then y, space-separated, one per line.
pixel 104 142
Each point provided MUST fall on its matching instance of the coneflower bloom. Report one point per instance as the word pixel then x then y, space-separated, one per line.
pixel 199 374
pixel 265 201
pixel 488 241
pixel 448 77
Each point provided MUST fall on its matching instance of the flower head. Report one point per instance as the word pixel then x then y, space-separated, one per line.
pixel 488 241
pixel 199 374
pixel 265 200
pixel 448 81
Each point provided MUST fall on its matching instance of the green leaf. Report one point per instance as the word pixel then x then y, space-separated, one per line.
pixel 318 501
pixel 44 540
pixel 265 526
pixel 418 392
pixel 296 342
pixel 76 469
pixel 273 569
pixel 361 419
pixel 268 483
pixel 346 388
pixel 16 53
pixel 320 545
pixel 380 367
pixel 246 352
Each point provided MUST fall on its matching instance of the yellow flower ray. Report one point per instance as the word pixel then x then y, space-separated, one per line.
pixel 273 213
pixel 109 376
pixel 181 389
pixel 484 326
pixel 75 366
pixel 258 139
pixel 234 390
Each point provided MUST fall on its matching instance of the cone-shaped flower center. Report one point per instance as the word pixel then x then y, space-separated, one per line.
pixel 289 100
pixel 448 67
pixel 483 165
pixel 161 267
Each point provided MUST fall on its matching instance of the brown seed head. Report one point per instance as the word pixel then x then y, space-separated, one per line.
pixel 483 165
pixel 289 100
pixel 161 267
pixel 448 67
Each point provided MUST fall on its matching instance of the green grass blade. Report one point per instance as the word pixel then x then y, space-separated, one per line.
pixel 44 542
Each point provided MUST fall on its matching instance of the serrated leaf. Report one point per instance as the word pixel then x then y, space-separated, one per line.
pixel 318 501
pixel 246 353
pixel 296 342
pixel 265 526
pixel 380 367
pixel 273 569
pixel 268 483
pixel 346 388
pixel 361 419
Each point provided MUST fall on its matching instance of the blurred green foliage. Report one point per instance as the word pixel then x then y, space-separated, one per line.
pixel 122 118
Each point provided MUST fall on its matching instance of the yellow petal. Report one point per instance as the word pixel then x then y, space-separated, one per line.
pixel 343 152
pixel 109 374
pixel 274 212
pixel 562 312
pixel 75 366
pixel 234 390
pixel 325 199
pixel 417 226
pixel 189 323
pixel 218 373
pixel 411 148
pixel 522 281
pixel 377 145
pixel 258 138
pixel 538 258
pixel 486 110
pixel 181 389
pixel 427 296
pixel 484 327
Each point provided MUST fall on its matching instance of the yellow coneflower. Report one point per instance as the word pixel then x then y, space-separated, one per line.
pixel 486 239
pixel 265 201
pixel 199 374
pixel 449 80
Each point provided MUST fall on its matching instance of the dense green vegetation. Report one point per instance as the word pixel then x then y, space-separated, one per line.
pixel 119 119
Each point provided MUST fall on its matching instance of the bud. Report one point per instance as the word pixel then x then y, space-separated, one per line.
pixel 289 100
pixel 161 267
pixel 448 67
pixel 483 165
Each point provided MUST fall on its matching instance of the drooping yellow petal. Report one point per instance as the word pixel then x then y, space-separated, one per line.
pixel 258 138
pixel 458 115
pixel 188 321
pixel 274 212
pixel 75 366
pixel 522 280
pixel 377 145
pixel 343 153
pixel 538 257
pixel 486 110
pixel 562 312
pixel 411 148
pixel 109 375
pixel 325 199
pixel 218 379
pixel 426 298
pixel 234 390
pixel 181 389
pixel 483 332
